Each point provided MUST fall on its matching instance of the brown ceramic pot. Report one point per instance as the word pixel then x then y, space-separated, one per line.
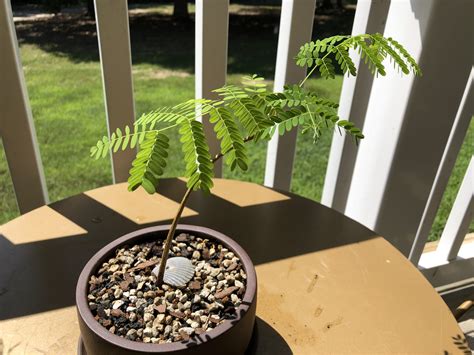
pixel 231 337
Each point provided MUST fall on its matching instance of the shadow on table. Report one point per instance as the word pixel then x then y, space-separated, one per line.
pixel 41 276
pixel 158 39
pixel 267 341
pixel 461 343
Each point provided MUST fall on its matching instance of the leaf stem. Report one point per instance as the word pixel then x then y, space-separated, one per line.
pixel 307 76
pixel 324 57
pixel 112 141
pixel 221 154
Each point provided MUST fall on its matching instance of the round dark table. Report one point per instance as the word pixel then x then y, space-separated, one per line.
pixel 326 284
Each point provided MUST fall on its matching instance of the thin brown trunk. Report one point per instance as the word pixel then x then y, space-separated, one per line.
pixel 169 237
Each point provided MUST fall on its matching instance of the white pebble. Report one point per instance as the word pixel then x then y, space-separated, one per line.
pixel 147 317
pixel 117 304
pixel 187 330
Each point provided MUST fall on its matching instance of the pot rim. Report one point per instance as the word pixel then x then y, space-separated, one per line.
pixel 85 313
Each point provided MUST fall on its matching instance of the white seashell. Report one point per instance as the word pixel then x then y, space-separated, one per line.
pixel 178 272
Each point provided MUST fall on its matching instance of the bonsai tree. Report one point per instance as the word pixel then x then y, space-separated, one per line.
pixel 244 114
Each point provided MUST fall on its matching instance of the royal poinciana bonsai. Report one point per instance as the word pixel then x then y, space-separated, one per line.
pixel 244 114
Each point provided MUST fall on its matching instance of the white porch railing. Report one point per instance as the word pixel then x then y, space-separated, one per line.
pixel 115 58
pixel 411 124
pixel 296 26
pixel 16 121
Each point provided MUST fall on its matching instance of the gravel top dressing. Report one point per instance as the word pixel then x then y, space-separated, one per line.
pixel 124 297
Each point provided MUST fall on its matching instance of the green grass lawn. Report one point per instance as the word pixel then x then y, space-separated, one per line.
pixel 65 90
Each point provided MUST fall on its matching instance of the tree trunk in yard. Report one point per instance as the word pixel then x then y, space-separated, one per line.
pixel 90 9
pixel 181 9
pixel 326 4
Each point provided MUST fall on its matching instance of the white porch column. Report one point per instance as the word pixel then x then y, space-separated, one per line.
pixel 370 17
pixel 296 25
pixel 408 119
pixel 455 141
pixel 459 219
pixel 116 61
pixel 212 27
pixel 17 129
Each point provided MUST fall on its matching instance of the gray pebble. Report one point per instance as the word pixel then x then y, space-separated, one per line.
pixel 131 334
pixel 170 296
pixel 214 272
pixel 204 293
pixel 148 332
pixel 183 298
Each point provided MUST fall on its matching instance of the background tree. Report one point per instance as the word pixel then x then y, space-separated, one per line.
pixel 90 9
pixel 180 10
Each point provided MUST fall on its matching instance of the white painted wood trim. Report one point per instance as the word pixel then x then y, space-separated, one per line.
pixel 440 272
pixel 212 27
pixel 296 25
pixel 370 17
pixel 459 218
pixel 17 129
pixel 115 57
pixel 455 141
